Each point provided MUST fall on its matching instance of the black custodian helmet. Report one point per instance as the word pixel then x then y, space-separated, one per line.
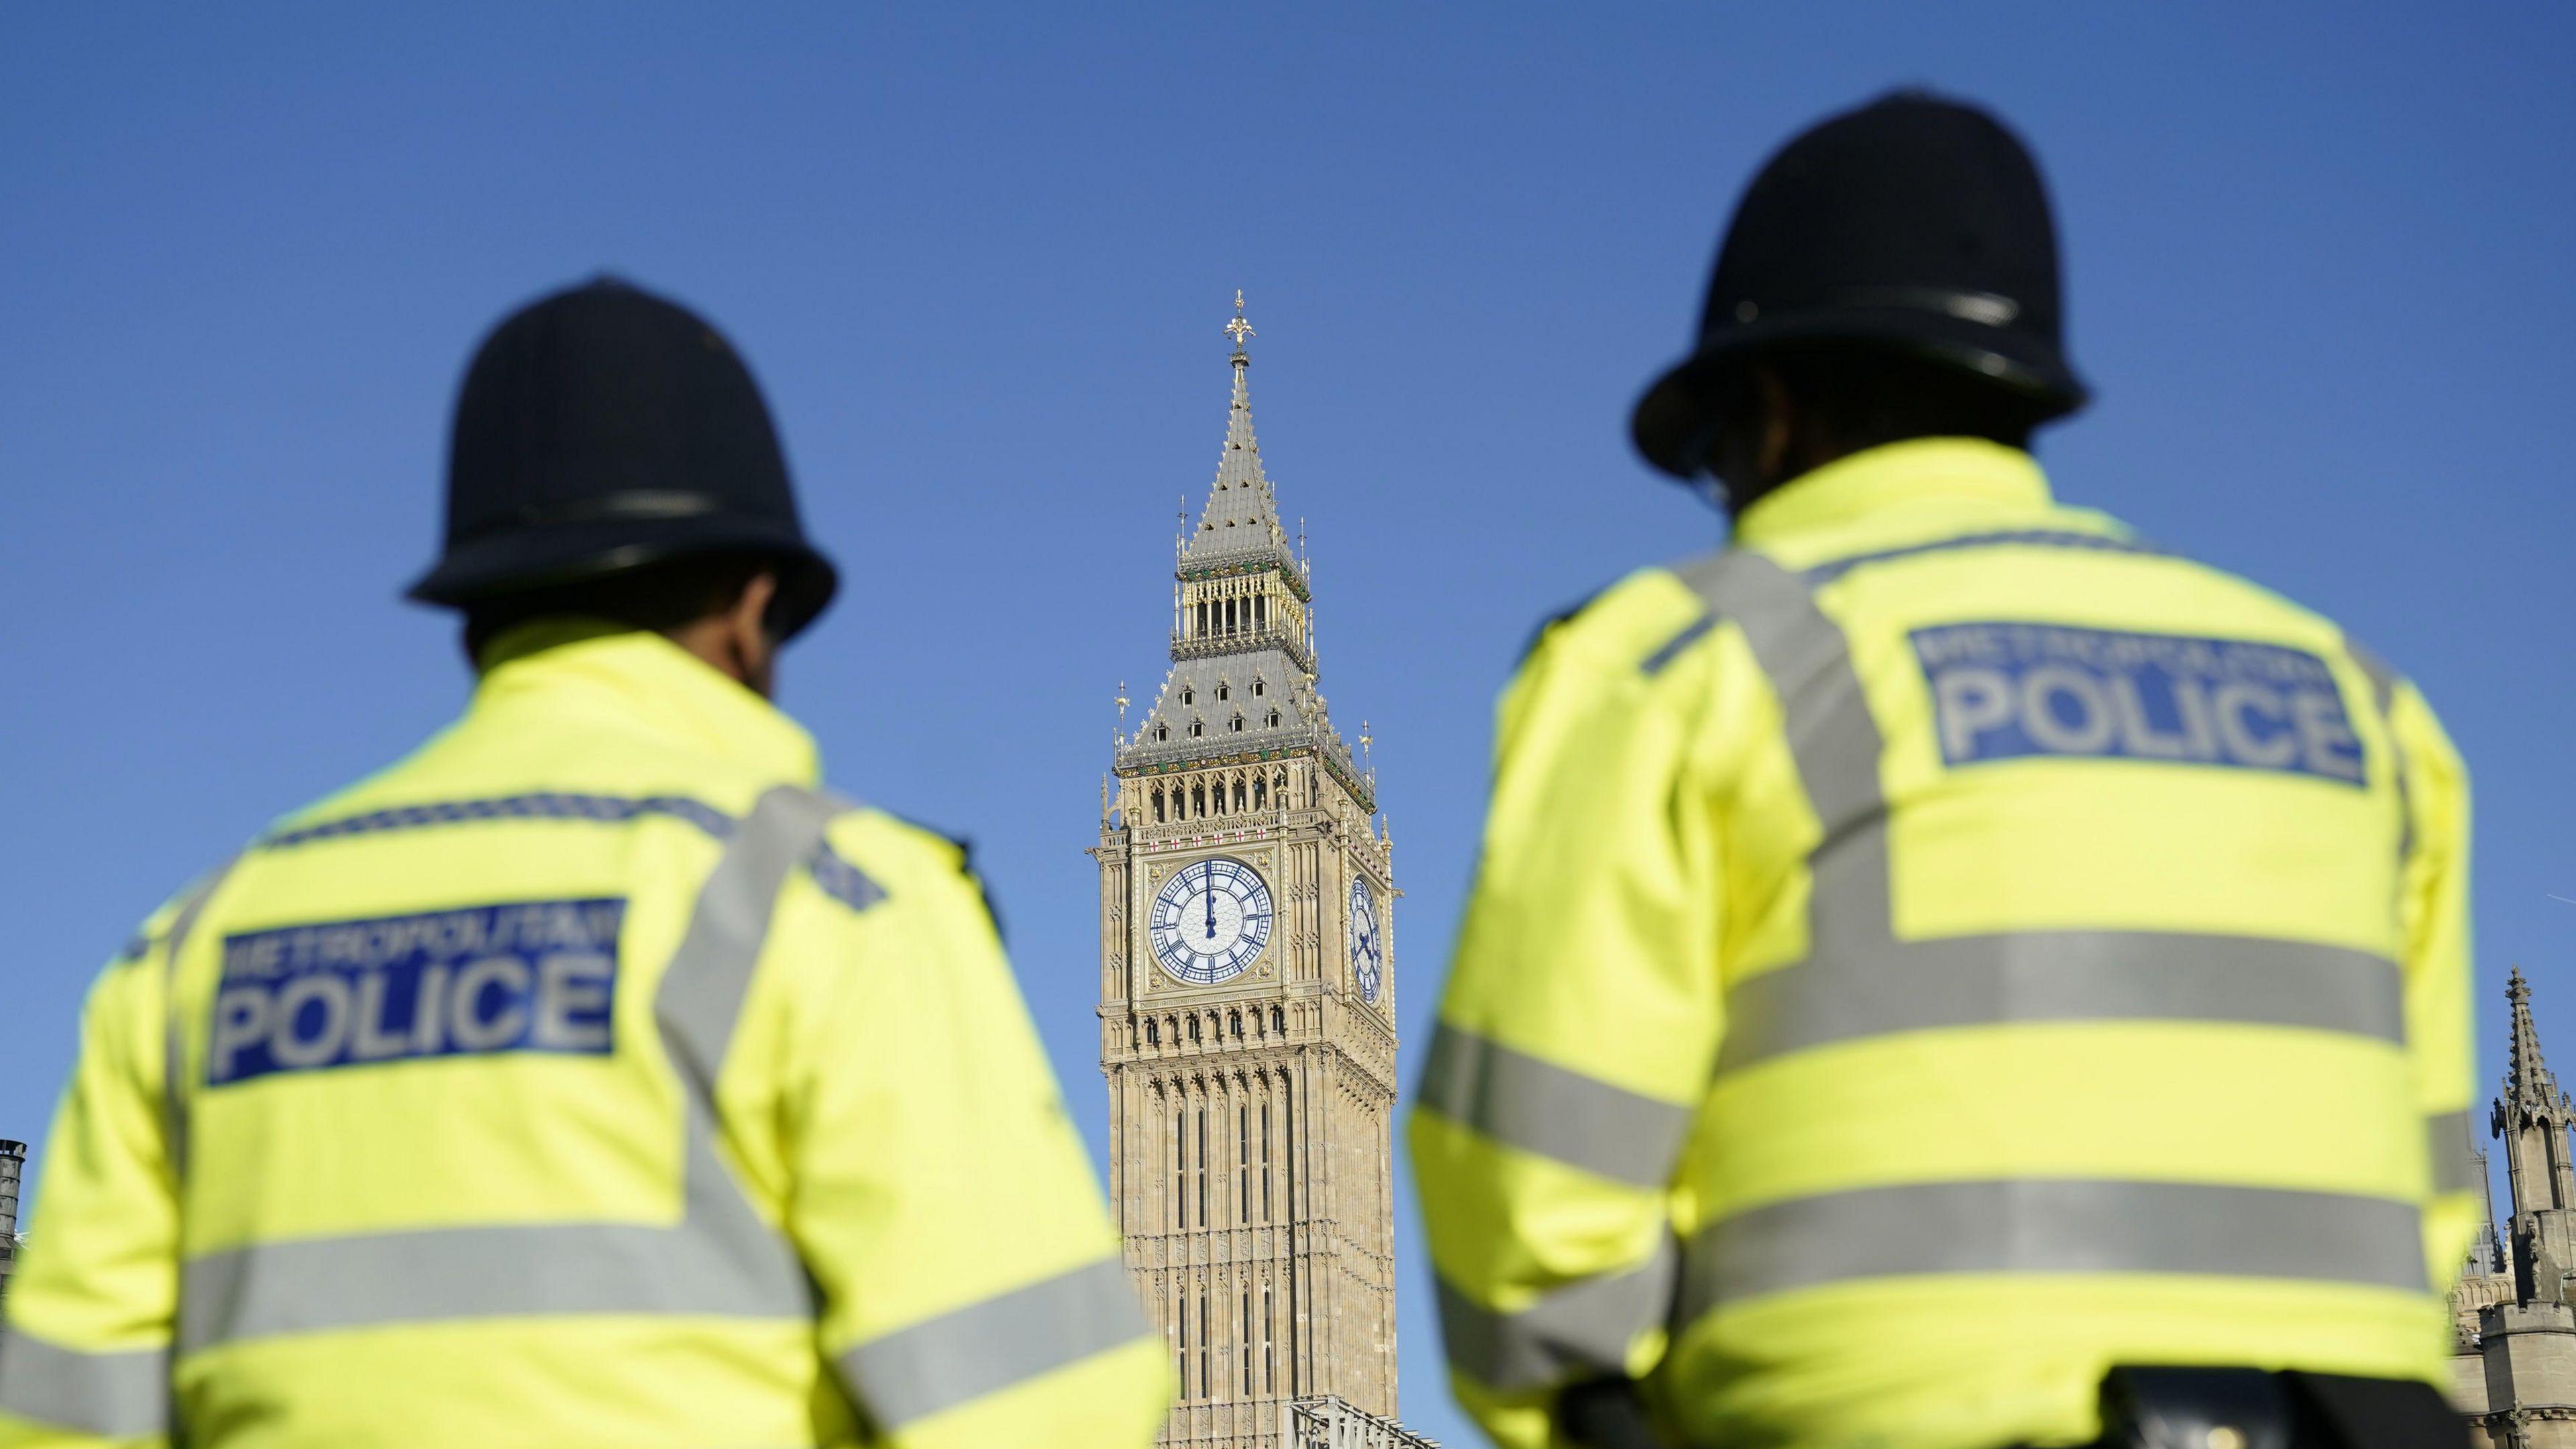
pixel 603 428
pixel 1914 224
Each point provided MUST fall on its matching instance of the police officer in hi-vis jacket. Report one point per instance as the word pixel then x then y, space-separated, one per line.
pixel 591 1077
pixel 1899 936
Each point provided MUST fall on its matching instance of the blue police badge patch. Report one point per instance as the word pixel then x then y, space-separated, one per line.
pixel 529 976
pixel 2009 691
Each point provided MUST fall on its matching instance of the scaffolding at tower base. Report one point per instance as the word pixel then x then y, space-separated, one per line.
pixel 1329 1423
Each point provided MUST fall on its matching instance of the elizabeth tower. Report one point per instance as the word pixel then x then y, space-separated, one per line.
pixel 1246 993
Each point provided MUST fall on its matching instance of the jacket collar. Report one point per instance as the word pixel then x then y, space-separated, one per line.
pixel 586 669
pixel 1942 471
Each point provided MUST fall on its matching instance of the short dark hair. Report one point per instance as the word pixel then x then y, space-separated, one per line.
pixel 1862 397
pixel 657 597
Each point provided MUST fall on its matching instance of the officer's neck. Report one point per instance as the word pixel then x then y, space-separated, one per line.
pixel 1771 473
pixel 743 653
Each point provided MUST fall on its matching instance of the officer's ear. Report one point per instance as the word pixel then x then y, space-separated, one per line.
pixel 749 641
pixel 1753 451
pixel 734 637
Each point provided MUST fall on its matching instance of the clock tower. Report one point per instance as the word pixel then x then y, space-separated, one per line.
pixel 1247 1012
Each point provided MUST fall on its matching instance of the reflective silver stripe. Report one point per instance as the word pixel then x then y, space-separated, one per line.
pixel 123 1395
pixel 1832 736
pixel 1539 1107
pixel 174 1059
pixel 2383 694
pixel 702 992
pixel 2061 976
pixel 2055 1226
pixel 2451 1147
pixel 721 1259
pixel 985 1347
pixel 1578 1331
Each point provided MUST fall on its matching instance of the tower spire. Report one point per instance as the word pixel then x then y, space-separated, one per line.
pixel 2533 1116
pixel 1244 679
pixel 1242 514
pixel 2530 1090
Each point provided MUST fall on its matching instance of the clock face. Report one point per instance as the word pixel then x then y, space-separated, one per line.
pixel 1368 949
pixel 1210 921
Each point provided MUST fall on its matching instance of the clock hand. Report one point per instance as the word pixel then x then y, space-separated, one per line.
pixel 1211 905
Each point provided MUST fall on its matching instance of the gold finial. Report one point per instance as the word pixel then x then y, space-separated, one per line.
pixel 1364 736
pixel 1123 702
pixel 1238 329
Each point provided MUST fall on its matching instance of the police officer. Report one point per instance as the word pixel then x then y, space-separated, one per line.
pixel 590 1076
pixel 1942 959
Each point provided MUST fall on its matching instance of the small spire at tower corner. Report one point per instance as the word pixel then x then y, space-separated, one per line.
pixel 2531 1091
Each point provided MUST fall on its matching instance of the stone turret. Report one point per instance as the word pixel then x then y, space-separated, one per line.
pixel 2517 1383
pixel 2532 1118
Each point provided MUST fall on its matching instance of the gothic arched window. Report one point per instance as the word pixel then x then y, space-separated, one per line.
pixel 1259 689
pixel 1197 728
pixel 1274 719
pixel 1235 725
pixel 1152 1037
pixel 1162 733
pixel 1260 792
pixel 1158 804
pixel 1238 792
pixel 1234 1025
pixel 1278 1020
pixel 1186 696
pixel 1194 1029
pixel 1223 691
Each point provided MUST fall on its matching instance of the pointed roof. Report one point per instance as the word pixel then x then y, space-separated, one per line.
pixel 2530 1091
pixel 1241 520
pixel 1258 699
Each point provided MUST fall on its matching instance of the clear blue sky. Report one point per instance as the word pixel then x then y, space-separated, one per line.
pixel 2320 269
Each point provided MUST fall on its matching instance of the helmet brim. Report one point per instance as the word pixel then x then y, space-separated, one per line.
pixel 569 553
pixel 1677 420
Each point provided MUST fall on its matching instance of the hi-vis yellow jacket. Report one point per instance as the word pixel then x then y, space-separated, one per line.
pixel 588 1078
pixel 1933 951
